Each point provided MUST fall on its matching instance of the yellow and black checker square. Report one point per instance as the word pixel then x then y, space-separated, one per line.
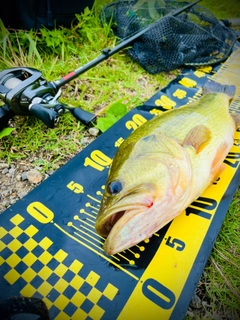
pixel 28 290
pixel 29 259
pixel 60 270
pixel 78 298
pixel 3 232
pixel 77 282
pixel 96 312
pixel 30 244
pixel 61 302
pixel 28 275
pixel 45 243
pixel 45 272
pixel 94 295
pixel 79 314
pixel 31 231
pixel 12 276
pixel 70 309
pixel 45 257
pixel 21 267
pixel 92 278
pixel 44 289
pixel 68 275
pixel 60 255
pixel 61 285
pixel 15 232
pixel 13 260
pixel 110 291
pixel 14 245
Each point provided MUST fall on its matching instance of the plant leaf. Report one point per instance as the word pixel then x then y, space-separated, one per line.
pixel 6 132
pixel 104 123
pixel 32 47
pixel 117 109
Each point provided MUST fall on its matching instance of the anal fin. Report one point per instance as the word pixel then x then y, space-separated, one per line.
pixel 218 172
pixel 236 119
pixel 217 165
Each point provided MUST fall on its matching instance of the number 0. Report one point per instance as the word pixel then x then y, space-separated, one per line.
pixel 40 212
pixel 158 294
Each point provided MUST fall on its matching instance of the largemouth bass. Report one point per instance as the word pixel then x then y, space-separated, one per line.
pixel 163 166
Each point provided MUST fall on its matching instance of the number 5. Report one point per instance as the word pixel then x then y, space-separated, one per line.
pixel 75 187
pixel 171 243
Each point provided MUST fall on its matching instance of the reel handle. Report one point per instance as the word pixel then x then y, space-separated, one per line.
pixel 48 116
pixel 83 116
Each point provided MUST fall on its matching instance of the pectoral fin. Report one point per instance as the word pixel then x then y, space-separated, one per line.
pixel 198 137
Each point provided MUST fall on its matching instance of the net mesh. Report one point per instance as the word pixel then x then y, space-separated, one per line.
pixel 193 37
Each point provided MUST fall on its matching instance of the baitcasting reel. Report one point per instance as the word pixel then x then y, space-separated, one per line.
pixel 25 92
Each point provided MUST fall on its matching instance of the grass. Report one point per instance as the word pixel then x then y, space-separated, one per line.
pixel 58 52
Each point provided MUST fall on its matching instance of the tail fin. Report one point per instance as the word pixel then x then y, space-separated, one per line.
pixel 212 86
pixel 229 72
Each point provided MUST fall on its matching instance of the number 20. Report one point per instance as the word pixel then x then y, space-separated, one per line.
pixel 137 121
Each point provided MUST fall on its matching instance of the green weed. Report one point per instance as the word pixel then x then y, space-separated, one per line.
pixel 5 132
pixel 115 112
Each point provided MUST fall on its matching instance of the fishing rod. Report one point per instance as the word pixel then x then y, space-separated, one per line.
pixel 26 92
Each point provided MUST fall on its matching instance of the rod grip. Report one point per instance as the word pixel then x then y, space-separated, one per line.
pixel 83 116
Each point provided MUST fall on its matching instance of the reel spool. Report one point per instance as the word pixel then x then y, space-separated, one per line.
pixel 11 82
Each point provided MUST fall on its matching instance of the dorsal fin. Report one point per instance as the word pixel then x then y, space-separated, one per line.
pixel 198 137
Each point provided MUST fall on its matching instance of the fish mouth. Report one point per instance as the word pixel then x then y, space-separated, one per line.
pixel 113 220
pixel 116 223
pixel 109 214
pixel 112 216
pixel 122 233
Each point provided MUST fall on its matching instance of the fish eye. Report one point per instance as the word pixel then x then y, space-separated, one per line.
pixel 114 187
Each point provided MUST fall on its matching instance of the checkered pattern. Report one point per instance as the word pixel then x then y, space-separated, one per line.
pixel 67 287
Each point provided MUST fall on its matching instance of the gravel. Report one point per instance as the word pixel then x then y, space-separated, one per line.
pixel 17 180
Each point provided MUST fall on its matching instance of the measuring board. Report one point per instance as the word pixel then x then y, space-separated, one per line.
pixel 50 250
